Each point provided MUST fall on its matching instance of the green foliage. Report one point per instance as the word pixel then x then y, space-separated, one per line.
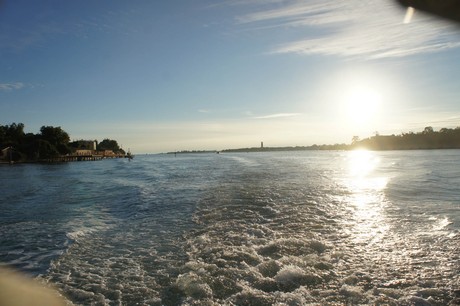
pixel 109 144
pixel 12 134
pixel 57 138
pixel 45 149
pixel 427 139
pixel 82 144
pixel 51 142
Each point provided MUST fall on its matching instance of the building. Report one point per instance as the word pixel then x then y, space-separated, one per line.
pixel 84 144
pixel 109 153
pixel 84 152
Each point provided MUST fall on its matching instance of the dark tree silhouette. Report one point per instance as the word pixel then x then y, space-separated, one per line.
pixel 109 144
pixel 57 137
pixel 427 139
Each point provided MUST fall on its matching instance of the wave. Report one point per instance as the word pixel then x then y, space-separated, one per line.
pixel 217 230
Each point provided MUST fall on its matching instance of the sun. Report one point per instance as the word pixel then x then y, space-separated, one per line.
pixel 362 105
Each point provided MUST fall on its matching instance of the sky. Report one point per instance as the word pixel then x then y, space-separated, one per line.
pixel 161 76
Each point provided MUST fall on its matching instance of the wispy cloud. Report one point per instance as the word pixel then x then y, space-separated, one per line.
pixel 293 12
pixel 352 28
pixel 278 115
pixel 11 86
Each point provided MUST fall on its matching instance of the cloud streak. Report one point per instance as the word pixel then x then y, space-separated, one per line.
pixel 279 115
pixel 11 86
pixel 287 13
pixel 352 28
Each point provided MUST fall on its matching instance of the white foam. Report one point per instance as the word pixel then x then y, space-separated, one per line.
pixel 79 234
pixel 193 286
pixel 291 277
pixel 441 224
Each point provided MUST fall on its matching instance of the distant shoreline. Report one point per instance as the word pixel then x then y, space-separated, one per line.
pixel 428 139
pixel 294 149
pixel 192 152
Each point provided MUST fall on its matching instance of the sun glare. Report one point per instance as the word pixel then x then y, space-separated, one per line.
pixel 362 105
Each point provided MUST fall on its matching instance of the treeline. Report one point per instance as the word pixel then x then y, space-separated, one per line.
pixel 427 139
pixel 51 142
pixel 109 144
pixel 296 148
pixel 192 152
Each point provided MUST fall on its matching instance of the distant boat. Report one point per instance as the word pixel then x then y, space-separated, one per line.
pixel 129 155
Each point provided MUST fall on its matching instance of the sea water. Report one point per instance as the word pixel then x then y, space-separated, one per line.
pixel 269 228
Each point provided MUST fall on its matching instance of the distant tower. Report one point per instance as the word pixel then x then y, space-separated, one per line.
pixel 261 144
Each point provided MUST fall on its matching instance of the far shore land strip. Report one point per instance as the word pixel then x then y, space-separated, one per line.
pixel 428 139
pixel 53 144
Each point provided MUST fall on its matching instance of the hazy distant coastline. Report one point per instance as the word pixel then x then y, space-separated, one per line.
pixel 53 144
pixel 428 139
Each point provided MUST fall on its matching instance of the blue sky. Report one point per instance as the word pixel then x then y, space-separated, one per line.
pixel 174 75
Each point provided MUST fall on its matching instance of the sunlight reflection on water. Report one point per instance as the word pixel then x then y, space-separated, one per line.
pixel 300 228
pixel 366 196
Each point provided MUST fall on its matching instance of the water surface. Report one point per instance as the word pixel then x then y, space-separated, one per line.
pixel 240 229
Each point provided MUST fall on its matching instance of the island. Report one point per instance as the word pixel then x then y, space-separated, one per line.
pixel 428 139
pixel 192 152
pixel 52 144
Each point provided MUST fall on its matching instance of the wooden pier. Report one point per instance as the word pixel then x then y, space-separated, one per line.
pixel 72 158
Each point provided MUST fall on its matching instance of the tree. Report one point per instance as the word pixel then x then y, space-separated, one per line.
pixel 51 142
pixel 44 149
pixel 12 134
pixel 3 130
pixel 109 144
pixel 57 137
pixel 428 130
